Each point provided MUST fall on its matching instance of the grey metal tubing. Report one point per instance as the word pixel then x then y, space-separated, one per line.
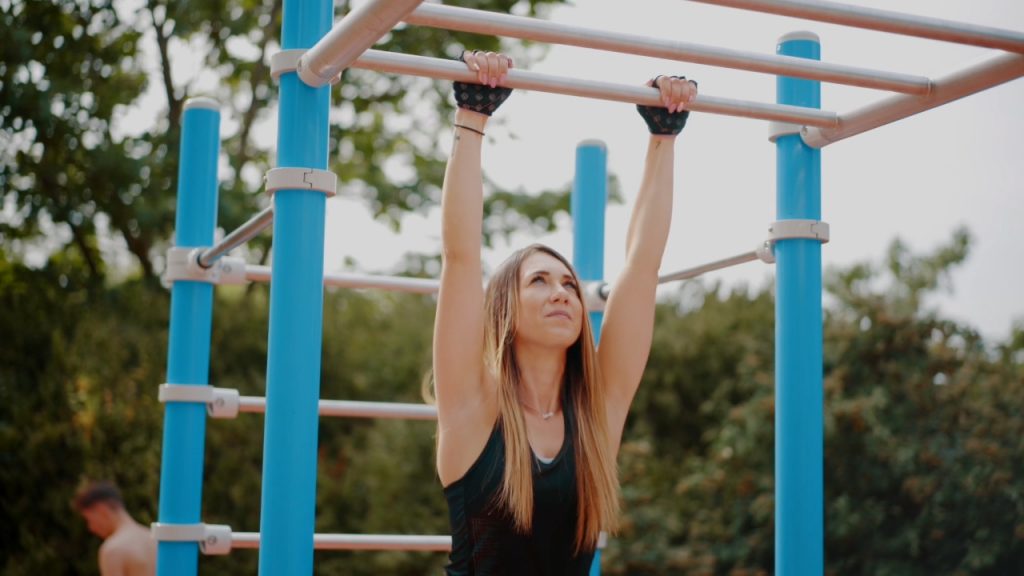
pixel 991 72
pixel 251 540
pixel 450 70
pixel 709 267
pixel 239 236
pixel 351 409
pixel 352 280
pixel 350 37
pixel 483 22
pixel 885 21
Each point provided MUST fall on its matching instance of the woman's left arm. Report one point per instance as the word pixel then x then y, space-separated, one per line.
pixel 628 327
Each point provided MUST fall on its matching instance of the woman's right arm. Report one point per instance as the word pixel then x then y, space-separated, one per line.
pixel 459 325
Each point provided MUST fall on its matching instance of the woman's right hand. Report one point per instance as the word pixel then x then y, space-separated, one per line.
pixel 491 69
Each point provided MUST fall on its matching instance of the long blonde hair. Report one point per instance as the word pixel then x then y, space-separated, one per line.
pixel 597 483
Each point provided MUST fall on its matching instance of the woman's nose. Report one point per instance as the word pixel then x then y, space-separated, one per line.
pixel 560 293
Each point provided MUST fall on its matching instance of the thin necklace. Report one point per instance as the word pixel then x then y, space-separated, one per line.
pixel 544 415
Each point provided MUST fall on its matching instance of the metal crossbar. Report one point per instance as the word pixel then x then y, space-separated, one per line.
pixel 450 70
pixel 251 540
pixel 482 22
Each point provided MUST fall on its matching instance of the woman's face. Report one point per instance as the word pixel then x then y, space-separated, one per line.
pixel 550 311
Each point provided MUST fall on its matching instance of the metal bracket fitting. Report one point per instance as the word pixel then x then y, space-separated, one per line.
pixel 595 295
pixel 301 179
pixel 790 229
pixel 183 264
pixel 213 539
pixel 194 393
pixel 777 130
pixel 220 402
pixel 287 61
pixel 765 253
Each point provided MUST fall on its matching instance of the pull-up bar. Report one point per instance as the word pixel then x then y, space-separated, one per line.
pixel 493 23
pixel 884 21
pixel 450 70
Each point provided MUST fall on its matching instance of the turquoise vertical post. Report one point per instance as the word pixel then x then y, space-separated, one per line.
pixel 587 205
pixel 799 420
pixel 188 347
pixel 288 500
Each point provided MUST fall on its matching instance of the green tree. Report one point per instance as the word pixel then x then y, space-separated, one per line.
pixel 73 70
pixel 76 401
pixel 923 446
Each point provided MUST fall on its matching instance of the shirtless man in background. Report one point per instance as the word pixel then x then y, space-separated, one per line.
pixel 128 549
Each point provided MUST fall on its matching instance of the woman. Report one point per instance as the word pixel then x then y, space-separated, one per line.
pixel 530 414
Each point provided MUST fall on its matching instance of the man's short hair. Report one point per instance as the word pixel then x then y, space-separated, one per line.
pixel 98 492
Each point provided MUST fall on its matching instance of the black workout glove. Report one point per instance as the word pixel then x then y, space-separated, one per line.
pixel 659 120
pixel 479 97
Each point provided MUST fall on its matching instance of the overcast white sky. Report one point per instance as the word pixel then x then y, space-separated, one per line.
pixel 919 179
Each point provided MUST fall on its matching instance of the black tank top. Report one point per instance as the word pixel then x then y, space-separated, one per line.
pixel 484 542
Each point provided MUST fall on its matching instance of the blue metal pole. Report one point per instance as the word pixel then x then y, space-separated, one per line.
pixel 296 313
pixel 799 420
pixel 587 205
pixel 188 349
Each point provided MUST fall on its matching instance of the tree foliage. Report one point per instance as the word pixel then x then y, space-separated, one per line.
pixel 923 448
pixel 84 152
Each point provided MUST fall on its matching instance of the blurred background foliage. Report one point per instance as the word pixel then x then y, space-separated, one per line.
pixel 924 434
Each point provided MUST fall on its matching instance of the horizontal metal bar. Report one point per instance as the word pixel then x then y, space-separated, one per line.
pixel 709 267
pixel 991 72
pixel 351 409
pixel 350 37
pixel 481 22
pixel 885 21
pixel 239 236
pixel 450 70
pixel 251 540
pixel 352 280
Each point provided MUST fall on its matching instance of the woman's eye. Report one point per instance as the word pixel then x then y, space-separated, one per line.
pixel 570 285
pixel 537 279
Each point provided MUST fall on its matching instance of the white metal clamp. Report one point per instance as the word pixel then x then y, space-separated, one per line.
pixel 220 402
pixel 789 229
pixel 213 539
pixel 777 130
pixel 183 264
pixel 301 179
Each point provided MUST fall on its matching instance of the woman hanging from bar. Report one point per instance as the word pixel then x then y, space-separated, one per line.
pixel 530 413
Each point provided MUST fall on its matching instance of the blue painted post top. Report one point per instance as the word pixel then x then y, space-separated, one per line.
pixel 196 216
pixel 587 206
pixel 799 91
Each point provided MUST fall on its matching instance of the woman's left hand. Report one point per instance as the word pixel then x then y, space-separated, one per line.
pixel 676 94
pixel 676 91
